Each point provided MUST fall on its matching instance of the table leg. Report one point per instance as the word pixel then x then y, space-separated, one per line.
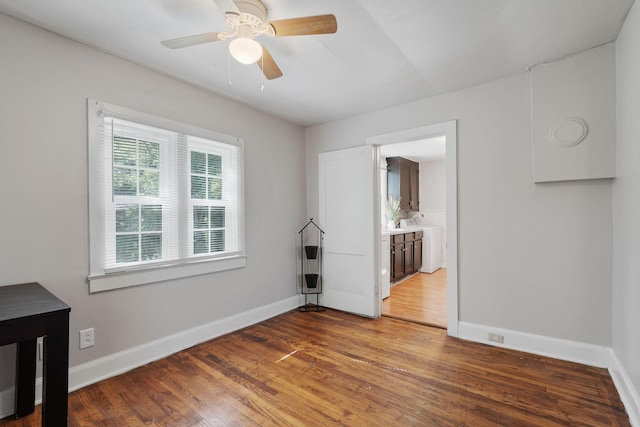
pixel 25 377
pixel 55 375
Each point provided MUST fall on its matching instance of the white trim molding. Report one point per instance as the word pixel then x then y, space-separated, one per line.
pixel 626 390
pixel 449 130
pixel 123 361
pixel 126 360
pixel 573 351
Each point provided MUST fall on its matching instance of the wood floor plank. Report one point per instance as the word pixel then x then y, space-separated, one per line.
pixel 421 298
pixel 332 368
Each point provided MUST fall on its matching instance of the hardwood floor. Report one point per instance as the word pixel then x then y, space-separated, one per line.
pixel 332 368
pixel 421 298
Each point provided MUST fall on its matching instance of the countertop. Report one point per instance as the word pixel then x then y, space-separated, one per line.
pixel 394 231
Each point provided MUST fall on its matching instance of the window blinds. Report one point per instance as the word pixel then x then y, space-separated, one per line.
pixel 161 195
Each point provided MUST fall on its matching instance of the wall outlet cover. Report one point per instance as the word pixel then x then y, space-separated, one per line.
pixel 86 338
pixel 496 338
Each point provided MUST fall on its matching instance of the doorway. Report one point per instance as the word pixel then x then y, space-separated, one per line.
pixel 420 298
pixel 400 144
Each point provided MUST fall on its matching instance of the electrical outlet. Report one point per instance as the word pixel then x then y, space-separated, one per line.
pixel 496 338
pixel 86 338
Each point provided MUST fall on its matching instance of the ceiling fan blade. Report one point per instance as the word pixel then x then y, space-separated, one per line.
pixel 268 65
pixel 191 40
pixel 321 24
pixel 227 6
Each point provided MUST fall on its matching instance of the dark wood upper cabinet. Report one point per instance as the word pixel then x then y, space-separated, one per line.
pixel 403 181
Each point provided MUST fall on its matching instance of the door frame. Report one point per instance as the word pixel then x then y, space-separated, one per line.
pixel 449 131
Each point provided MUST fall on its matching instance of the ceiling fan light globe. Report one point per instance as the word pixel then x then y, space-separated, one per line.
pixel 245 50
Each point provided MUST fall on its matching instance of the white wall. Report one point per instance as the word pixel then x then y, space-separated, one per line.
pixel 433 185
pixel 45 80
pixel 532 258
pixel 626 250
pixel 433 198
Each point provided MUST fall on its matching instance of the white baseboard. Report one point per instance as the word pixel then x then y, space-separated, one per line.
pixel 118 363
pixel 126 360
pixel 626 390
pixel 573 351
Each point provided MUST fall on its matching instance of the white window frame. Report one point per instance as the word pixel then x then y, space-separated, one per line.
pixel 169 228
pixel 101 277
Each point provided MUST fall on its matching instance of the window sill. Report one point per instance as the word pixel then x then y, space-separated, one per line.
pixel 158 274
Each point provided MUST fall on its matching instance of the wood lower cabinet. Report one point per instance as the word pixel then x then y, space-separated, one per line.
pixel 417 252
pixel 408 257
pixel 406 254
pixel 397 256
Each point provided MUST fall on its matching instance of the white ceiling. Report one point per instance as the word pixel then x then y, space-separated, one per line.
pixel 384 53
pixel 423 150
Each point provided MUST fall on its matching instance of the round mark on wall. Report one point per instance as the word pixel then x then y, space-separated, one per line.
pixel 569 132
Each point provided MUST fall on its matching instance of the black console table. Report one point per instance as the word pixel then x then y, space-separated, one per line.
pixel 29 311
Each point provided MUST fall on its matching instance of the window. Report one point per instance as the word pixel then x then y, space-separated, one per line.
pixel 165 199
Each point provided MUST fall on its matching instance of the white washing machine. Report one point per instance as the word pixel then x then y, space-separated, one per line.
pixel 431 243
pixel 431 249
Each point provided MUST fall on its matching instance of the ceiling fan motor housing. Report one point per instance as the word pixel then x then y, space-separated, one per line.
pixel 251 20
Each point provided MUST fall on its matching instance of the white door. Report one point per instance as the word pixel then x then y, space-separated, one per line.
pixel 347 215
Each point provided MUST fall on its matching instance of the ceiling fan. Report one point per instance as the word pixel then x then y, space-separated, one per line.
pixel 246 20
